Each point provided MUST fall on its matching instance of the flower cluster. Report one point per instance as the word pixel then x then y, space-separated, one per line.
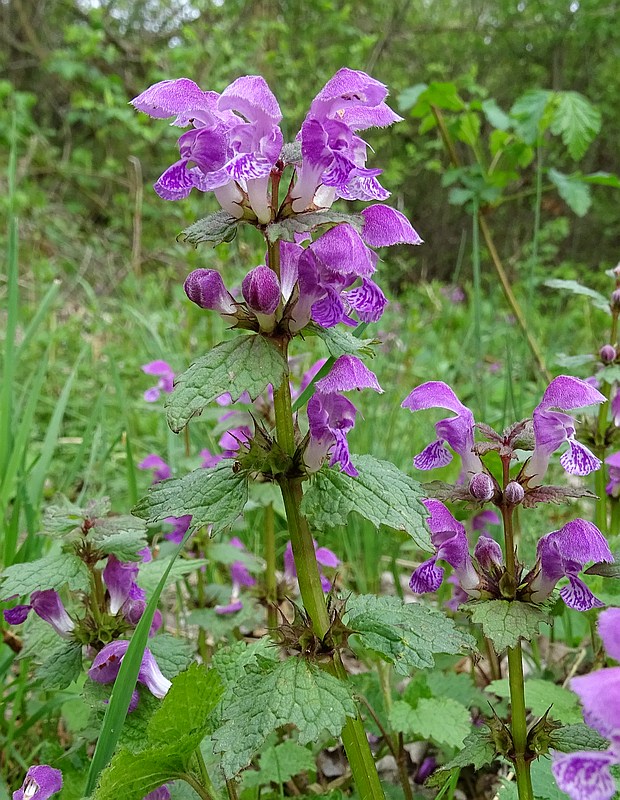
pixel 43 781
pixel 585 775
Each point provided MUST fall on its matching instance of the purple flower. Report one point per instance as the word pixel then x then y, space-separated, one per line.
pixel 324 556
pixel 180 526
pixel 480 521
pixel 134 607
pixel 165 383
pixel 240 577
pixel 47 605
pixel 457 431
pixel 261 291
pixel 119 577
pixel 450 542
pixel 613 487
pixel 333 157
pixel 565 553
pixel 233 145
pixel 488 553
pixel 553 428
pixel 331 415
pixel 615 408
pixel 108 662
pixel 585 775
pixel 205 287
pixel 162 793
pixel 40 783
pixel 384 226
pixel 161 470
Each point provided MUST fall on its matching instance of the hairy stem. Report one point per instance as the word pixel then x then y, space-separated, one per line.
pixel 518 723
pixel 271 585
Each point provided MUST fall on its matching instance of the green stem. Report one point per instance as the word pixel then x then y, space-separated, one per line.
pixel 614 525
pixel 271 585
pixel 231 788
pixel 196 786
pixel 204 774
pixel 519 722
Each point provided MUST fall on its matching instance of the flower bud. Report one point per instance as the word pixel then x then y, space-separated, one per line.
pixel 205 287
pixel 482 487
pixel 607 354
pixel 488 553
pixel 261 290
pixel 514 493
pixel 615 300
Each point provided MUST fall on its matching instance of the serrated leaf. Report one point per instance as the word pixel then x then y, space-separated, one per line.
pixel 575 193
pixel 212 496
pixel 404 634
pixel 185 708
pixel 286 229
pixel 528 113
pixel 216 228
pixel 553 494
pixel 231 662
pixel 543 782
pixel 282 693
pixel 381 493
pixel 171 653
pixel 61 667
pixel 598 300
pixel 50 572
pixel 609 374
pixel 477 750
pixel 571 738
pixel 221 626
pixel 443 720
pixel 133 732
pixel 279 764
pixel 246 363
pixel 131 776
pixel 124 545
pixel 505 622
pixel 341 342
pixel 62 517
pixel 539 695
pixel 40 639
pixel 576 120
pixel 494 114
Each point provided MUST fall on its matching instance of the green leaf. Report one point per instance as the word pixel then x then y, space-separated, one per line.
pixel 576 120
pixel 216 228
pixel 189 701
pixel 577 737
pixel 477 750
pixel 61 667
pixel 212 496
pixel 381 493
pixel 286 229
pixel 245 363
pixel 50 572
pixel 529 114
pixel 404 634
pixel 171 653
pixel 443 720
pixel 444 95
pixel 505 622
pixel 279 764
pixel 604 569
pixel 494 114
pixel 133 731
pixel 341 342
pixel 564 360
pixel 540 695
pixel 232 662
pixel 598 300
pixel 131 776
pixel 457 685
pixel 151 572
pixel 575 193
pixel 282 693
pixel 121 536
pixel 409 97
pixel 543 782
pixel 603 179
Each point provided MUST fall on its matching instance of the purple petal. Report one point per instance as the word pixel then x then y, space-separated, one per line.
pixel 48 605
pixel 578 460
pixel 348 373
pixel 176 182
pixel 152 395
pixel 180 526
pixel 289 561
pixel 261 290
pixel 609 630
pixel 163 793
pixel 119 578
pixel 488 553
pixel 171 97
pixel 231 608
pixel 161 470
pixel 206 288
pixel 615 409
pixel 363 187
pixel 330 310
pixel 251 96
pixel 16 615
pixel 348 89
pixel 157 368
pixel 566 393
pixel 578 596
pixel 484 518
pixel 434 394
pixel 433 456
pixel 326 557
pixel 40 783
pixel 107 662
pixel 368 301
pixel 385 226
pixel 584 775
pixel 441 519
pixel 599 693
pixel 340 454
pixel 326 584
pixel 151 676
pixel 426 578
pixel 342 249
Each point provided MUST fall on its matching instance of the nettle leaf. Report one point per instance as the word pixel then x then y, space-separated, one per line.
pixel 457 685
pixel 246 363
pixel 529 112
pixel 275 694
pixel 571 738
pixel 382 494
pixel 212 496
pixel 504 622
pixel 443 720
pixel 604 569
pixel 553 494
pixel 185 708
pixel 50 572
pixel 539 695
pixel 121 536
pixel 279 764
pixel 341 342
pixel 216 228
pixel 133 775
pixel 63 516
pixel 576 120
pixel 171 653
pixel 62 667
pixel 232 662
pixel 575 193
pixel 477 750
pixel 598 300
pixel 285 229
pixel 404 634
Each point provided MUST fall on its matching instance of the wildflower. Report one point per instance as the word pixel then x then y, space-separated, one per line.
pixel 47 605
pixel 180 526
pixel 613 487
pixel 324 556
pixel 585 775
pixel 607 354
pixel 125 596
pixel 165 383
pixel 480 521
pixel 41 782
pixel 205 287
pixel 161 470
pixel 458 432
pixel 333 157
pixel 161 793
pixel 385 226
pixel 261 291
pixel 449 539
pixel 233 145
pixel 482 487
pixel 564 553
pixel 331 415
pixel 553 428
pixel 240 577
pixel 107 663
